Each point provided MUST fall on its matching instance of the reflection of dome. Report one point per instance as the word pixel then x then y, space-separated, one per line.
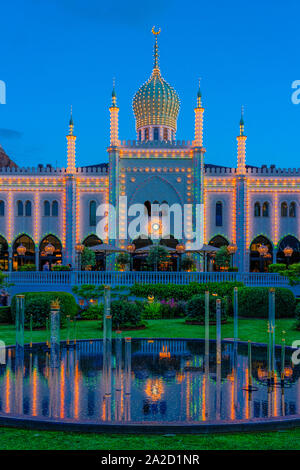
pixel 156 103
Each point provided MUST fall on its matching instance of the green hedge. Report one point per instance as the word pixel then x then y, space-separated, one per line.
pixel 297 313
pixel 38 304
pixel 183 292
pixel 5 315
pixel 254 302
pixel 196 308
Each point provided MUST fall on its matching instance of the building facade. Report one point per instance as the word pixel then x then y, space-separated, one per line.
pixel 245 207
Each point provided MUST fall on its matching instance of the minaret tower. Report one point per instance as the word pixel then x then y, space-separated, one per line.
pixel 241 140
pixel 71 153
pixel 199 110
pixel 114 120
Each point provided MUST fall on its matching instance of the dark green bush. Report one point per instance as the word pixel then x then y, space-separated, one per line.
pixel 183 292
pixel 254 302
pixel 27 267
pixel 60 267
pixel 38 304
pixel 94 312
pixel 276 267
pixel 196 308
pixel 5 315
pixel 126 314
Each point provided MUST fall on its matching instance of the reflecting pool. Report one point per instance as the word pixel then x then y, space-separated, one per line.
pixel 152 381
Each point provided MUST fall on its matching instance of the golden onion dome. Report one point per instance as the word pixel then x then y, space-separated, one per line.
pixel 156 103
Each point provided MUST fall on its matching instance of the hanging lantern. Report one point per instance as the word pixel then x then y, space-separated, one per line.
pixel 231 249
pixel 21 250
pixel 79 248
pixel 49 249
pixel 288 251
pixel 180 248
pixel 130 248
pixel 262 250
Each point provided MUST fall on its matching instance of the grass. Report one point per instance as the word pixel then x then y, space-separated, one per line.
pixel 254 329
pixel 249 329
pixel 19 439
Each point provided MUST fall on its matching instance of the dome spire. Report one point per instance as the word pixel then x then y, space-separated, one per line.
pixel 242 121
pixel 114 94
pixel 155 65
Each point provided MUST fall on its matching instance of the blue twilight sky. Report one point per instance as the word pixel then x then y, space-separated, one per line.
pixel 55 53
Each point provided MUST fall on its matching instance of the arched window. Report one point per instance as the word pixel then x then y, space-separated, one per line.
pixel 219 214
pixel 2 209
pixel 28 209
pixel 284 209
pixel 265 209
pixel 292 211
pixel 47 208
pixel 165 133
pixel 93 213
pixel 54 208
pixel 257 209
pixel 156 133
pixel 20 208
pixel 147 133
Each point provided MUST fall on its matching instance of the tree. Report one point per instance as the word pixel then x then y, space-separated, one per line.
pixel 122 260
pixel 157 255
pixel 187 263
pixel 88 258
pixel 292 273
pixel 222 257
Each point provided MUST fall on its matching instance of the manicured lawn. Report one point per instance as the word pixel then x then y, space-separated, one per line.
pixel 42 440
pixel 253 329
pixel 249 329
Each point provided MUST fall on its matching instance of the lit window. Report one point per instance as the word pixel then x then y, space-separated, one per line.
pixel 284 209
pixel 265 209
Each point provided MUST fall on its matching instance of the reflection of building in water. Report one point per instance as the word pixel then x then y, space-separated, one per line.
pixel 160 345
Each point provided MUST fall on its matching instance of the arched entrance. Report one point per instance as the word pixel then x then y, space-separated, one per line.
pixel 93 240
pixel 3 254
pixel 260 262
pixel 23 252
pixel 218 241
pixel 291 242
pixel 50 252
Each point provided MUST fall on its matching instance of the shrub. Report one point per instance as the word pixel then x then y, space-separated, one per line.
pixel 152 311
pixel 276 267
pixel 60 267
pixel 254 302
pixel 126 314
pixel 38 304
pixel 27 267
pixel 222 257
pixel 183 292
pixel 94 312
pixel 187 264
pixel 5 315
pixel 196 308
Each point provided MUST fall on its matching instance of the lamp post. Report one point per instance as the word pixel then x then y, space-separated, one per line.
pixel 180 248
pixel 262 250
pixel 131 249
pixel 231 249
pixel 79 247
pixel 288 251
pixel 21 250
pixel 49 250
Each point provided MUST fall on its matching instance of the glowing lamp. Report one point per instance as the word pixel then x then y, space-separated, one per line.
pixel 79 248
pixel 288 251
pixel 231 249
pixel 130 248
pixel 262 250
pixel 21 250
pixel 49 249
pixel 180 248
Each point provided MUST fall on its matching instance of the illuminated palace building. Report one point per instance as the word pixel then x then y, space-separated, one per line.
pixel 46 212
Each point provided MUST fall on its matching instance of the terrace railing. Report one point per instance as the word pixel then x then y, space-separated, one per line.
pixel 127 278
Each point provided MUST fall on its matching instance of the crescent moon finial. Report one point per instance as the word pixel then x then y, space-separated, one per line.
pixel 156 33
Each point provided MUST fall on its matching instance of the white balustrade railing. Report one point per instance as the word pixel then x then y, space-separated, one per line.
pixel 127 278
